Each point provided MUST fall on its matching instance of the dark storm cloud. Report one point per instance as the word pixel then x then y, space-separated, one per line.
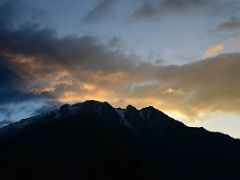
pixel 11 88
pixel 68 51
pixel 11 95
pixel 232 24
pixel 102 9
pixel 8 78
pixel 75 54
pixel 12 84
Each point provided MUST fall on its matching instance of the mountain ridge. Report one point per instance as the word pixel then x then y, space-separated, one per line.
pixel 92 140
pixel 75 107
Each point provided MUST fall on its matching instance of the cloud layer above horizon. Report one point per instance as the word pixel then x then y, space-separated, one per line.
pixel 36 65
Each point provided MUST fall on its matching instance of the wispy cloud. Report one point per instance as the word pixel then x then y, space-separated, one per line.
pixel 101 10
pixel 155 8
pixel 215 49
pixel 232 24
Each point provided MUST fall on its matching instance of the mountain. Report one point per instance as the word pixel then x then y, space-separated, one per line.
pixel 93 140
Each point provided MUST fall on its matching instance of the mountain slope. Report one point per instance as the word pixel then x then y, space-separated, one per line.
pixel 93 140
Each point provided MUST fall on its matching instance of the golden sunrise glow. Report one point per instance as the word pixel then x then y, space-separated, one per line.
pixel 116 88
pixel 185 92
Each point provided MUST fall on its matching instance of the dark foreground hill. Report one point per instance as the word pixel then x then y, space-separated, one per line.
pixel 93 140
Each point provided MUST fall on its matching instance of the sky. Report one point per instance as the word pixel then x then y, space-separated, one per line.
pixel 180 56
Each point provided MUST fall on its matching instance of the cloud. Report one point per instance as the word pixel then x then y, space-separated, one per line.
pixel 215 49
pixel 11 89
pixel 158 8
pixel 74 69
pixel 13 112
pixel 45 68
pixel 13 95
pixel 232 24
pixel 8 78
pixel 101 10
pixel 198 88
pixel 154 8
pixel 9 11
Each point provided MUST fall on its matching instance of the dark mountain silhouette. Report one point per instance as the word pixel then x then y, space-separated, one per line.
pixel 93 140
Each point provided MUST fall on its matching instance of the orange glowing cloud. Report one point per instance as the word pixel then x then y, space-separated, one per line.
pixel 188 92
pixel 215 49
pixel 89 70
